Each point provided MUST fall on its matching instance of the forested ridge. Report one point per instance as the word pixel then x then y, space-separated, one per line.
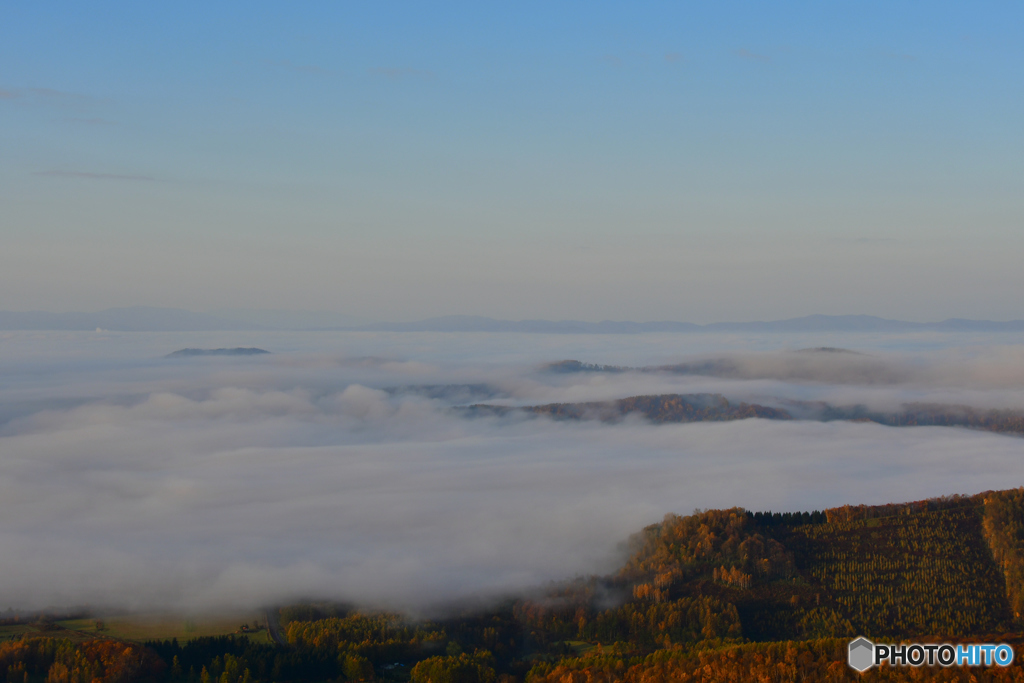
pixel 718 595
pixel 668 408
pixel 658 409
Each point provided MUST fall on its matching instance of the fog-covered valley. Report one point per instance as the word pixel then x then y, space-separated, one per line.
pixel 338 467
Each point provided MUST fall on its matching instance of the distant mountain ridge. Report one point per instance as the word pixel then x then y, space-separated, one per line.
pixel 154 319
pixel 237 351
pixel 657 409
pixel 667 408
pixel 809 323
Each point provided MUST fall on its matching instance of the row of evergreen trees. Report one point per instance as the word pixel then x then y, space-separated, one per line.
pixel 787 518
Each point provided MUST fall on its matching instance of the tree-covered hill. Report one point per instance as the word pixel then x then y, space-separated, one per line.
pixel 719 595
pixel 671 408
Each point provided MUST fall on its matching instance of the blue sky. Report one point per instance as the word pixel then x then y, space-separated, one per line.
pixel 689 161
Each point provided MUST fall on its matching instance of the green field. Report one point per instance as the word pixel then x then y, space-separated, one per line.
pixel 140 628
pixel 14 631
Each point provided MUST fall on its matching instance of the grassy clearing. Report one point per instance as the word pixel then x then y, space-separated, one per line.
pixel 140 628
pixel 16 631
pixel 52 630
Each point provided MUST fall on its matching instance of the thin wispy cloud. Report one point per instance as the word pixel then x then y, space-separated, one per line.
pixel 94 176
pixel 92 121
pixel 872 240
pixel 673 57
pixel 744 53
pixel 288 65
pixel 396 74
pixel 46 96
pixel 633 59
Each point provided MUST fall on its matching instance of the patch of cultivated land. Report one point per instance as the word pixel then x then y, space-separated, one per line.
pixel 158 627
pixel 15 631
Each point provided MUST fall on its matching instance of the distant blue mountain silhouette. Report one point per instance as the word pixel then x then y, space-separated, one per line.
pixel 151 319
pixel 810 323
pixel 238 351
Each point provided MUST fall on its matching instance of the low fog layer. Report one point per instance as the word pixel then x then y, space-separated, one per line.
pixel 335 468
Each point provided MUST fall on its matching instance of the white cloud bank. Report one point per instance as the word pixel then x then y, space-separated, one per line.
pixel 131 481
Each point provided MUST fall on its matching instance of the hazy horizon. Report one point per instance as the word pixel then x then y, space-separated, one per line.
pixel 310 316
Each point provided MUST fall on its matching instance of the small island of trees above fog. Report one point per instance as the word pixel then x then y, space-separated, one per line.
pixel 669 408
pixel 719 595
pixel 238 351
pixel 815 365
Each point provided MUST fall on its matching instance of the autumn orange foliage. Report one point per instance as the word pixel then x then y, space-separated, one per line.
pixel 62 661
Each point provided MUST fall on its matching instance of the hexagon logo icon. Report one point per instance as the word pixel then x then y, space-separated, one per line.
pixel 862 654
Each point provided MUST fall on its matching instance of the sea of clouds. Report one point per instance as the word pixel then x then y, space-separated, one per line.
pixel 325 471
